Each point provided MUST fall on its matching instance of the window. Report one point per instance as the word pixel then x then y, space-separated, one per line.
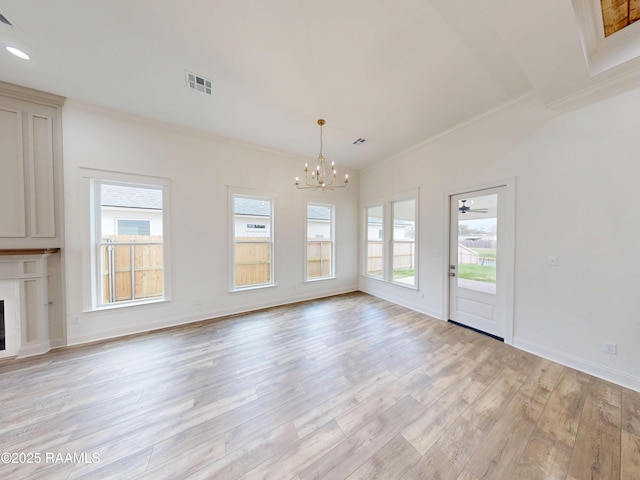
pixel 252 241
pixel 403 240
pixel 390 240
pixel 374 240
pixel 129 242
pixel 320 241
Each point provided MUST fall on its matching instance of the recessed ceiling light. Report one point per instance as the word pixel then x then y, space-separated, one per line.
pixel 18 53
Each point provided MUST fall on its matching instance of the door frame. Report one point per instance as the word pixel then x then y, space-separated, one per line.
pixel 509 250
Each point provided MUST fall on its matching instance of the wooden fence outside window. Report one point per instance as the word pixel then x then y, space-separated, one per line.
pixel 404 256
pixel 253 261
pixel 132 267
pixel 319 259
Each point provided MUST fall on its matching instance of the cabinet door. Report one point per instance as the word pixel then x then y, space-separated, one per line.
pixel 12 214
pixel 40 170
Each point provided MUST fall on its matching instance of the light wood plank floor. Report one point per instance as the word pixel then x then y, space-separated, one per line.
pixel 345 387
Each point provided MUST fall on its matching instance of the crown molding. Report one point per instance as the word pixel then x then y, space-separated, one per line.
pixel 607 88
pixel 31 95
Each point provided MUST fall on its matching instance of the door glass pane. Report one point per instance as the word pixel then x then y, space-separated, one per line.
pixel 374 241
pixel 477 242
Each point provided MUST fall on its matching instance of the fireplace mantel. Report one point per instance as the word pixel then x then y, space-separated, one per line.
pixel 28 251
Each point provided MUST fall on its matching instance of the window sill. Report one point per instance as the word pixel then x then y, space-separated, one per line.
pixel 379 279
pixel 395 284
pixel 252 288
pixel 319 279
pixel 404 285
pixel 122 305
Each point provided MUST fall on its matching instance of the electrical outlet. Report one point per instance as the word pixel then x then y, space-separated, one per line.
pixel 198 301
pixel 610 348
pixel 552 260
pixel 76 320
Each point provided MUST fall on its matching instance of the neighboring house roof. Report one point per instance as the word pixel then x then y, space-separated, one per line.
pixel 317 212
pixel 252 206
pixel 261 208
pixel 130 197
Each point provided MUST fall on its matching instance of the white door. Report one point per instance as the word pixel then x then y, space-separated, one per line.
pixel 477 261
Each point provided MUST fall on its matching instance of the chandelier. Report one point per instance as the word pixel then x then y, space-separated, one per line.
pixel 320 178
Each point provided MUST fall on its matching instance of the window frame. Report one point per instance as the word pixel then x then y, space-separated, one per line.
pixel 382 240
pixel 233 193
pixel 97 178
pixel 332 240
pixel 387 204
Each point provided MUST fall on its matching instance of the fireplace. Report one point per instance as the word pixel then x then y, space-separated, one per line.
pixel 3 345
pixel 24 324
pixel 9 317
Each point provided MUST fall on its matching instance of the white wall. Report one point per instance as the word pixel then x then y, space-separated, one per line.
pixel 200 168
pixel 576 178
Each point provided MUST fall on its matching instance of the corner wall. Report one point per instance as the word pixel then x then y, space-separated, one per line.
pixel 577 178
pixel 200 168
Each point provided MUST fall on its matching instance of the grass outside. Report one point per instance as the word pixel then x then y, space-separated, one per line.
pixel 479 273
pixel 397 273
pixel 403 273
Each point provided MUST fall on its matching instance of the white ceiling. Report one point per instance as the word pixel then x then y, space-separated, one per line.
pixel 395 73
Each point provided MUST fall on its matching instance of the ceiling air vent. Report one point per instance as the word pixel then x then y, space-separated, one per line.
pixel 196 82
pixel 5 20
pixel 359 141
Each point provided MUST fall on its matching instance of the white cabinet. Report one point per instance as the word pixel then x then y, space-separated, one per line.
pixel 31 215
pixel 31 168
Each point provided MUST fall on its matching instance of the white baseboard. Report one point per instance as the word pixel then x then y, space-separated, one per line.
pixel 403 302
pixel 58 343
pixel 34 349
pixel 581 364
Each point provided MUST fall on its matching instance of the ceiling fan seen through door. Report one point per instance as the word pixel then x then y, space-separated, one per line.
pixel 466 209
